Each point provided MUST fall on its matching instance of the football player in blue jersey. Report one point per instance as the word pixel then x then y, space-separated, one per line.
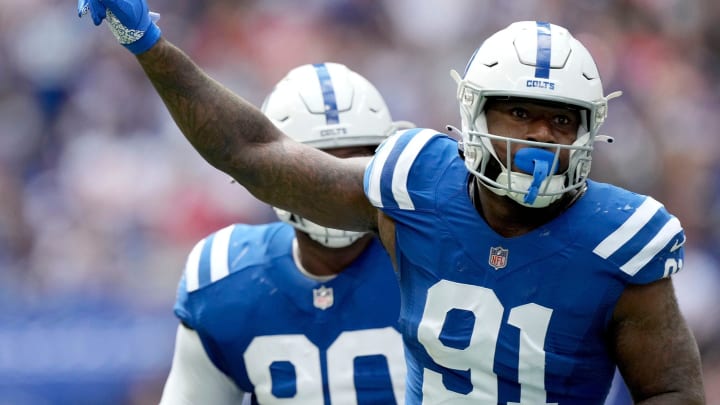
pixel 522 281
pixel 292 311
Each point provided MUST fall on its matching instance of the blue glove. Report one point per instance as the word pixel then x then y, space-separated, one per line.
pixel 132 23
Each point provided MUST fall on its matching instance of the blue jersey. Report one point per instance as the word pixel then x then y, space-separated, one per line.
pixel 288 338
pixel 521 320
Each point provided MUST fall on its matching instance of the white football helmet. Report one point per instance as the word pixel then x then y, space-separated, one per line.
pixel 327 105
pixel 531 60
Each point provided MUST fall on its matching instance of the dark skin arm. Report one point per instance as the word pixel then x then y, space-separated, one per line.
pixel 237 138
pixel 654 348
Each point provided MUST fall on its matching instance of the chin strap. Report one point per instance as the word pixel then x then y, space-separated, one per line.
pixel 457 135
pixel 454 133
pixel 605 138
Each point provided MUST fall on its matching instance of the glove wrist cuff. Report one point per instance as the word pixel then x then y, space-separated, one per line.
pixel 150 37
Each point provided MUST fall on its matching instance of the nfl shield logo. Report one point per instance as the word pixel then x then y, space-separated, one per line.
pixel 498 257
pixel 323 297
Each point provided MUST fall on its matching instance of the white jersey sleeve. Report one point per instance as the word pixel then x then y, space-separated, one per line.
pixel 193 378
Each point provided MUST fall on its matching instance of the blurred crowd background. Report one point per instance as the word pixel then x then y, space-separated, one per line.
pixel 101 197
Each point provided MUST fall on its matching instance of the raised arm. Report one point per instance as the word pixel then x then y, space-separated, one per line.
pixel 235 136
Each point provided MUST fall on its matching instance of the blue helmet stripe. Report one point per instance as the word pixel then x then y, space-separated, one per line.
pixel 542 66
pixel 328 92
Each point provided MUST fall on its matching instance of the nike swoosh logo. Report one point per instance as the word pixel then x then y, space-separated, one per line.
pixel 678 244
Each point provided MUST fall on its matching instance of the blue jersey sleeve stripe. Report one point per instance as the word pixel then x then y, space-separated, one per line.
pixel 205 262
pixel 219 267
pixel 658 242
pixel 387 176
pixel 375 169
pixel 642 215
pixel 403 166
pixel 192 267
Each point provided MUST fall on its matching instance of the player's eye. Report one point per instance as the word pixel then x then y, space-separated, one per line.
pixel 519 112
pixel 562 120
